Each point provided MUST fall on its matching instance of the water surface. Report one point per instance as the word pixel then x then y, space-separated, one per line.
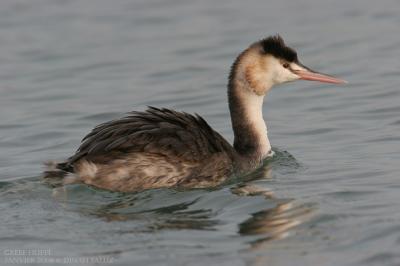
pixel 329 196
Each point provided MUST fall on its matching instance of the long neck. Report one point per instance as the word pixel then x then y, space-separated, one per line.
pixel 249 128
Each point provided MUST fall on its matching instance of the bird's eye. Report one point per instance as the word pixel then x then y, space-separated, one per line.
pixel 285 65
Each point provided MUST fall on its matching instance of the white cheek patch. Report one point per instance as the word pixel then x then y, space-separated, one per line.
pixel 280 74
pixel 289 75
pixel 284 75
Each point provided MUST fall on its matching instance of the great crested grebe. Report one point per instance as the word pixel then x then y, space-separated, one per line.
pixel 165 148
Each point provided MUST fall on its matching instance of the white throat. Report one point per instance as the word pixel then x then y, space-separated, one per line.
pixel 249 125
pixel 253 104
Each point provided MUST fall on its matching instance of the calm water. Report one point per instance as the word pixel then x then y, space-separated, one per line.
pixel 330 195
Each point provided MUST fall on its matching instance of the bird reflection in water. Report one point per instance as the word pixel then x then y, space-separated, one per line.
pixel 182 213
pixel 272 223
pixel 176 216
pixel 171 213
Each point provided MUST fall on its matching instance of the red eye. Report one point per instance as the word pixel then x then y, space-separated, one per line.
pixel 286 65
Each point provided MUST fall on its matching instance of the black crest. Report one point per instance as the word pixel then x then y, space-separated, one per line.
pixel 275 46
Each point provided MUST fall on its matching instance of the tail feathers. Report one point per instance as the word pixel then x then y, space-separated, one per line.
pixel 56 172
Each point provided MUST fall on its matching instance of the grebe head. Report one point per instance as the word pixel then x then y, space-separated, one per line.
pixel 256 70
pixel 270 62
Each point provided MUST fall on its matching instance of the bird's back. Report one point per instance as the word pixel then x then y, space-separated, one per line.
pixel 151 149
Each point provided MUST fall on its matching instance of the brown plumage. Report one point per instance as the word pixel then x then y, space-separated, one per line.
pixel 164 148
pixel 150 149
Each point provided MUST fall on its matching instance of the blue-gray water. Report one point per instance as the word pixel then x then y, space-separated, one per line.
pixel 333 186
